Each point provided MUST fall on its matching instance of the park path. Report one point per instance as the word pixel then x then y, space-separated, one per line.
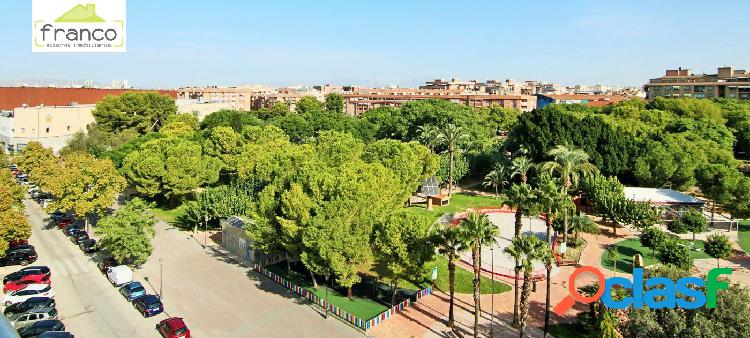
pixel 428 317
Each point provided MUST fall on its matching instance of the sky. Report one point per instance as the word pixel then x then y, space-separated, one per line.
pixel 174 43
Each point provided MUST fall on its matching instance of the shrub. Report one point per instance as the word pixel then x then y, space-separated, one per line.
pixel 672 252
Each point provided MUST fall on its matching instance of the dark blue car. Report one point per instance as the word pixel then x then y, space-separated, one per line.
pixel 132 291
pixel 148 305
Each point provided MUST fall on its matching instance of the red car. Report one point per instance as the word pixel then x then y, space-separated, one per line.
pixel 64 223
pixel 23 282
pixel 17 242
pixel 173 328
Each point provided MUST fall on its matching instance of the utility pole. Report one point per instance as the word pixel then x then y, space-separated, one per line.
pixel 205 232
pixel 161 280
pixel 492 290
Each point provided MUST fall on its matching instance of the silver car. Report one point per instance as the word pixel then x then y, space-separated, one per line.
pixel 21 320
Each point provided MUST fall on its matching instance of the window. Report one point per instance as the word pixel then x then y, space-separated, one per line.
pixel 47 130
pixel 687 88
pixel 23 130
pixel 68 128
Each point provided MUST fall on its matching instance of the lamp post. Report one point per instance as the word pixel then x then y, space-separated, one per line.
pixel 205 231
pixel 326 303
pixel 161 280
pixel 492 290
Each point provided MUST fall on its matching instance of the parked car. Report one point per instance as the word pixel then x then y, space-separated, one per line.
pixel 88 245
pixel 40 327
pixel 57 215
pixel 31 303
pixel 120 275
pixel 106 263
pixel 35 194
pixel 64 222
pixel 79 236
pixel 71 229
pixel 31 270
pixel 148 305
pixel 21 320
pixel 20 247
pixel 21 257
pixel 56 334
pixel 17 242
pixel 31 290
pixel 132 291
pixel 173 327
pixel 23 282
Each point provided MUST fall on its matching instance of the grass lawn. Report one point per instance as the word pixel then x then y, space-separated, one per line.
pixel 360 307
pixel 629 247
pixel 165 213
pixel 464 279
pixel 745 235
pixel 459 202
pixel 566 330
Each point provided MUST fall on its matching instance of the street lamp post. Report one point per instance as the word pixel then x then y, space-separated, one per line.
pixel 326 304
pixel 205 231
pixel 492 290
pixel 161 280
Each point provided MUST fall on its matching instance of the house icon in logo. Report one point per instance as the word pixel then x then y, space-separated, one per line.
pixel 81 13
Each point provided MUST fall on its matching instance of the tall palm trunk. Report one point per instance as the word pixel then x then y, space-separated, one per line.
pixel 451 288
pixel 450 172
pixel 515 287
pixel 566 186
pixel 517 270
pixel 547 301
pixel 525 299
pixel 548 222
pixel 476 256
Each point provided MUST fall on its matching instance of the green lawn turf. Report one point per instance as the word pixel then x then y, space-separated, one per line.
pixel 360 307
pixel 459 202
pixel 745 235
pixel 165 213
pixel 567 330
pixel 629 247
pixel 464 279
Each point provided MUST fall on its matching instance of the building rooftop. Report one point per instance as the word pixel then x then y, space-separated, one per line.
pixel 656 196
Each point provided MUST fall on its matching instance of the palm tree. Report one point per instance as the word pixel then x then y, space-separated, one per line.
pixel 427 136
pixel 480 232
pixel 522 198
pixel 527 249
pixel 452 137
pixel 552 199
pixel 451 243
pixel 521 166
pixel 570 165
pixel 496 178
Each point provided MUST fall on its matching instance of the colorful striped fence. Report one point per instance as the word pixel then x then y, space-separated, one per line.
pixel 338 312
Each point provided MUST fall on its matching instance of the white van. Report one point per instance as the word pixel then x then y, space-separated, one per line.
pixel 120 275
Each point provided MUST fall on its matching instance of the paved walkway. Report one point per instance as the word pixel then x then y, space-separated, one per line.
pixel 427 319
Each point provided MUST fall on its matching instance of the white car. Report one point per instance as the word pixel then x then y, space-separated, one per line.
pixel 24 319
pixel 120 275
pixel 31 290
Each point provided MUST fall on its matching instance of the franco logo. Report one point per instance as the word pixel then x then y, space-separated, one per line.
pixel 71 26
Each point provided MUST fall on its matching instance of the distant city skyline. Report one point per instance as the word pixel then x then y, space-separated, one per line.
pixel 390 43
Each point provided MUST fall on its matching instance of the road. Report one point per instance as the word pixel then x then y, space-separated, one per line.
pixel 215 296
pixel 88 304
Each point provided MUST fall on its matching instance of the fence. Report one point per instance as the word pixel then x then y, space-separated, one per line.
pixel 338 312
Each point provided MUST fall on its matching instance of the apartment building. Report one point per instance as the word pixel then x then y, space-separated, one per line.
pixel 50 116
pixel 359 102
pixel 249 97
pixel 727 82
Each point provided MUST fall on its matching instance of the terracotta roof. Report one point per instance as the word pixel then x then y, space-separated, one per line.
pixel 14 97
